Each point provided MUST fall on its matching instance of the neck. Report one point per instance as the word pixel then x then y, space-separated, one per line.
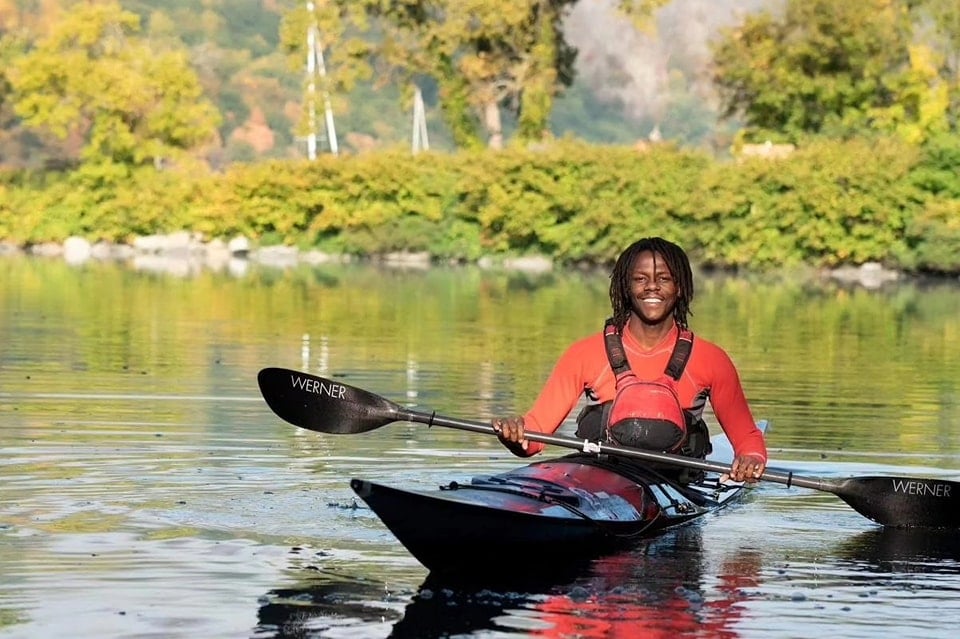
pixel 649 335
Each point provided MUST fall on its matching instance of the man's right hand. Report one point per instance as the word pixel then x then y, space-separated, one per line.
pixel 510 432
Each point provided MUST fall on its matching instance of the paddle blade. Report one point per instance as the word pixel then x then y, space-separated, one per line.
pixel 324 405
pixel 903 502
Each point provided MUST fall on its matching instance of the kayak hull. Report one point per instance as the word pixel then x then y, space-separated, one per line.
pixel 547 513
pixel 553 511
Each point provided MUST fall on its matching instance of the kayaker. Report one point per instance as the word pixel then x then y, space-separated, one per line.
pixel 631 361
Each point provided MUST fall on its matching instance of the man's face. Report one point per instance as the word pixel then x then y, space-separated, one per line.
pixel 653 289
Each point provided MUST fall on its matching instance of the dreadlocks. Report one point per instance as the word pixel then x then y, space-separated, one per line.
pixel 620 278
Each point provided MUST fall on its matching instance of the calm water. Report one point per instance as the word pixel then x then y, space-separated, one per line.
pixel 147 491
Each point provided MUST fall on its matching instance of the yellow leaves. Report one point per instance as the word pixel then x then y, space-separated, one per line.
pixel 97 27
pixel 479 67
pixel 924 61
pixel 94 77
pixel 641 12
pixel 921 106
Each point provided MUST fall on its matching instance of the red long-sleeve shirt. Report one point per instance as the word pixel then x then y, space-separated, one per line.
pixel 710 374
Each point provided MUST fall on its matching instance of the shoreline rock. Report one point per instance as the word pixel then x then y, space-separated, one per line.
pixel 871 275
pixel 183 254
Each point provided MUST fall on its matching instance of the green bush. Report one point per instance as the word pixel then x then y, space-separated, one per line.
pixel 828 203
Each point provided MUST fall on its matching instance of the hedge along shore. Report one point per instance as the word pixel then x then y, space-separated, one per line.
pixel 825 205
pixel 184 254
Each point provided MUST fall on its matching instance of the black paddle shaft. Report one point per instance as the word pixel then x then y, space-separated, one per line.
pixel 330 406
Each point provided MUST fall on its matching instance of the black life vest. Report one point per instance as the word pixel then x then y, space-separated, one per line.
pixel 646 414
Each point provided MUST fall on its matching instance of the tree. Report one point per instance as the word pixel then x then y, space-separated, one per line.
pixel 939 22
pixel 826 67
pixel 15 142
pixel 94 79
pixel 484 55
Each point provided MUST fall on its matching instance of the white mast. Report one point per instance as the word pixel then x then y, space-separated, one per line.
pixel 316 66
pixel 420 140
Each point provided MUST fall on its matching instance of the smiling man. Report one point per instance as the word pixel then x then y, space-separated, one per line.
pixel 646 378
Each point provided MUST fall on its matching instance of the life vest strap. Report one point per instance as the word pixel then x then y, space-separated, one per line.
pixel 617 355
pixel 680 355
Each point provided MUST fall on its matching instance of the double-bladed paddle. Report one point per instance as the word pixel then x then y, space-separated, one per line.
pixel 329 406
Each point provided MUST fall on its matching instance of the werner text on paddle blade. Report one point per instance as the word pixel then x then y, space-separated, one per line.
pixel 319 387
pixel 922 488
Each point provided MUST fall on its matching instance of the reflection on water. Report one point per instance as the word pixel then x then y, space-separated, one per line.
pixel 330 605
pixel 905 550
pixel 147 490
pixel 663 588
pixel 684 584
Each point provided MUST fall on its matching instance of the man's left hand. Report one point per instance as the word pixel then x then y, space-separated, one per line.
pixel 747 468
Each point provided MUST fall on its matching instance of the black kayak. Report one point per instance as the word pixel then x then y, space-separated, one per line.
pixel 557 510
